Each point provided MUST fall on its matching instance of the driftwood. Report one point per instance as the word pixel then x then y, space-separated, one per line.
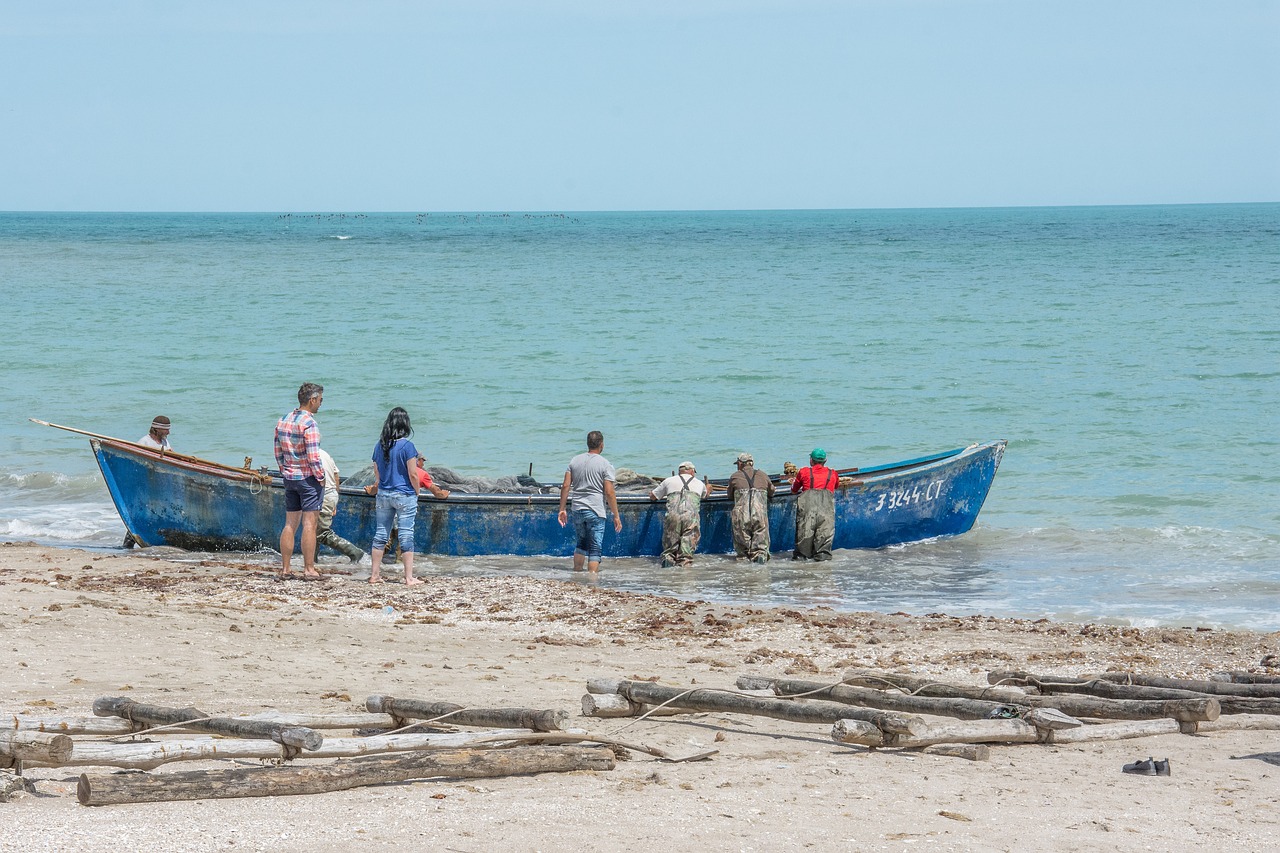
pixel 612 705
pixel 1006 731
pixel 524 718
pixel 33 746
pixel 970 751
pixel 105 789
pixel 196 720
pixel 1111 690
pixel 148 755
pixel 705 699
pixel 1196 709
pixel 867 697
pixel 1213 688
pixel 1243 722
pixel 121 726
pixel 1240 677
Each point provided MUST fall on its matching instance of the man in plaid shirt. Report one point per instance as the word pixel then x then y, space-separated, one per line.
pixel 298 455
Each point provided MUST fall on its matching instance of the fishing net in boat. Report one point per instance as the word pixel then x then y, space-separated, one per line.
pixel 515 484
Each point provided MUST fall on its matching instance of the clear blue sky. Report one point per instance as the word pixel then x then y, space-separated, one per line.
pixel 300 105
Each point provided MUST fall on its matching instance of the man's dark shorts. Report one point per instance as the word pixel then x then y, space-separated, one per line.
pixel 303 495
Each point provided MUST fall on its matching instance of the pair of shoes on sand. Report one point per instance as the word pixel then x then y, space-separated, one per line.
pixel 1150 767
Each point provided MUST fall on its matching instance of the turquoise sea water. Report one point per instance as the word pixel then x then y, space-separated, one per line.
pixel 1131 355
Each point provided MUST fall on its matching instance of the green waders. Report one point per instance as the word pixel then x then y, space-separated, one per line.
pixel 750 521
pixel 681 529
pixel 815 523
pixel 326 536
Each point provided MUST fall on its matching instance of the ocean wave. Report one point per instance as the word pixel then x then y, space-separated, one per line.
pixel 63 524
pixel 50 486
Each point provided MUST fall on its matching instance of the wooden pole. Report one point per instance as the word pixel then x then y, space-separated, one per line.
pixel 1197 709
pixel 1110 690
pixel 105 789
pixel 121 726
pixel 1241 677
pixel 1006 731
pixel 646 692
pixel 148 755
pixel 965 709
pixel 609 705
pixel 34 746
pixel 525 718
pixel 196 720
pixel 1213 688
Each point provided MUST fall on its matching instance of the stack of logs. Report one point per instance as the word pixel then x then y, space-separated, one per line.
pixel 518 746
pixel 882 709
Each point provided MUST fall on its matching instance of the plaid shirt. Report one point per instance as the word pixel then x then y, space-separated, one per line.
pixel 298 446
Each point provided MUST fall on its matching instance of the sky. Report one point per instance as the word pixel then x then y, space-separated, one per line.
pixel 575 105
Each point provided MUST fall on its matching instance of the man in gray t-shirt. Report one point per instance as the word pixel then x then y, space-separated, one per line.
pixel 589 480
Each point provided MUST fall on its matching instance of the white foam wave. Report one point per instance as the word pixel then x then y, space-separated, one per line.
pixel 341 236
pixel 88 524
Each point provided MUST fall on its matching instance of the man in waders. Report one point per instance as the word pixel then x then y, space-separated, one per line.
pixel 815 508
pixel 681 528
pixel 750 491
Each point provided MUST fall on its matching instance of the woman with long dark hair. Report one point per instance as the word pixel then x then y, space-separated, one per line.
pixel 396 460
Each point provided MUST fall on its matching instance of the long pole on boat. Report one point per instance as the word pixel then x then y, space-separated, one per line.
pixel 165 453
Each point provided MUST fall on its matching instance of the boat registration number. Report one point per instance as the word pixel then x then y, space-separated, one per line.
pixel 907 497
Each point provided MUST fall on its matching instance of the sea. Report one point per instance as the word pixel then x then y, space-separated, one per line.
pixel 1129 355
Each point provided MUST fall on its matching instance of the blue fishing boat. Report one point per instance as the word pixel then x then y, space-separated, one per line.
pixel 166 498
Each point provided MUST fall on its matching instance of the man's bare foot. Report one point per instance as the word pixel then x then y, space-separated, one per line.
pixel 313 574
pixel 412 582
pixel 375 579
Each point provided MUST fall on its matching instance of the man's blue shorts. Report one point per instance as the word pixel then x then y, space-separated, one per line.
pixel 303 495
pixel 589 529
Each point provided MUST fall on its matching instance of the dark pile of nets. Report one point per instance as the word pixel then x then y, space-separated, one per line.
pixel 515 484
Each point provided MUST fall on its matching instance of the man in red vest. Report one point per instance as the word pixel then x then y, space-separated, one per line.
pixel 815 508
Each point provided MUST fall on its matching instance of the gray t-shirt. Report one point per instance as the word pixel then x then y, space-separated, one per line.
pixel 587 472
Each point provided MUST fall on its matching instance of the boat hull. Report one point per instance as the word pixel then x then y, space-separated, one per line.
pixel 198 506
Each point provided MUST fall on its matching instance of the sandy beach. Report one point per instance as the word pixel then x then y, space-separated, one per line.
pixel 230 639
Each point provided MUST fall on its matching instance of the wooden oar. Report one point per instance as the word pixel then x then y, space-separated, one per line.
pixel 167 454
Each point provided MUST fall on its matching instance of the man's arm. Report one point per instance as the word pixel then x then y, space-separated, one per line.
pixel 311 440
pixel 412 467
pixel 563 516
pixel 612 495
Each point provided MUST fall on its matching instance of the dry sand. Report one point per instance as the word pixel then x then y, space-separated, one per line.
pixel 229 639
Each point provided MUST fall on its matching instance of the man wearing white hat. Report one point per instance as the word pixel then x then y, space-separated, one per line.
pixel 681 528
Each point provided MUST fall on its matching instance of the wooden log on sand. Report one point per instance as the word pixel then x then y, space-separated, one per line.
pixel 969 751
pixel 611 705
pixel 964 709
pixel 121 726
pixel 34 746
pixel 1213 688
pixel 703 699
pixel 74 725
pixel 1193 710
pixel 1006 731
pixel 105 789
pixel 524 718
pixel 196 720
pixel 148 755
pixel 1110 690
pixel 1241 677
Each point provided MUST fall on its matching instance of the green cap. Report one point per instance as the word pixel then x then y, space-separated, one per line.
pixel 818 455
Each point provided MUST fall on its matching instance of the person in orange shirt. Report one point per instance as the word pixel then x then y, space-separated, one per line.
pixel 815 508
pixel 424 480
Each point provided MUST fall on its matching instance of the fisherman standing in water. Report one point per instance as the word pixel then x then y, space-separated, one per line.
pixel 815 508
pixel 590 481
pixel 681 528
pixel 750 491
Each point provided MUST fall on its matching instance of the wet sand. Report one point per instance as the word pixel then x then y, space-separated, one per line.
pixel 230 638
